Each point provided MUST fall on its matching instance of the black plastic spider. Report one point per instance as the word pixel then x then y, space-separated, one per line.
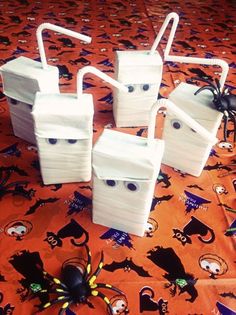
pixel 14 188
pixel 78 285
pixel 223 101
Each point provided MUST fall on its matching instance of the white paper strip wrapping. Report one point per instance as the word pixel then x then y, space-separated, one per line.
pixel 65 162
pixel 23 77
pixel 63 116
pixel 20 118
pixel 185 149
pixel 142 73
pixel 64 131
pixel 131 167
pixel 68 120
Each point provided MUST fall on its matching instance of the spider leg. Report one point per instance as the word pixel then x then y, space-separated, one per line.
pixel 210 88
pixel 56 290
pixel 231 115
pixel 218 85
pixel 56 280
pixel 105 299
pixel 64 307
pixel 88 268
pixel 226 118
pixel 97 271
pixel 54 301
pixel 106 286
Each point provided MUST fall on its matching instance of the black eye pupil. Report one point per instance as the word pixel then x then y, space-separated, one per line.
pixel 72 141
pixel 130 88
pixel 111 182
pixel 131 187
pixel 52 141
pixel 146 87
pixel 176 125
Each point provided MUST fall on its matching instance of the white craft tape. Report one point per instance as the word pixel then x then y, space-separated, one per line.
pixel 23 77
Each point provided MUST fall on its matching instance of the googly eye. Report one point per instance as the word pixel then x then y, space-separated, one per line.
pixel 52 141
pixel 13 101
pixel 146 87
pixel 130 88
pixel 177 124
pixel 111 182
pixel 72 141
pixel 132 186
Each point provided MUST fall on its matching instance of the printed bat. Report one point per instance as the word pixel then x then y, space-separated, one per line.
pixel 195 186
pixel 127 265
pixel 228 294
pixel 40 202
pixel 217 166
pixel 158 200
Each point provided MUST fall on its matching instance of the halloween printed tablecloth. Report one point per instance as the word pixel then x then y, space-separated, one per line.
pixel 185 263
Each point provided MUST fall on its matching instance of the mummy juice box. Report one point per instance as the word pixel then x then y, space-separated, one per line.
pixel 64 131
pixel 23 77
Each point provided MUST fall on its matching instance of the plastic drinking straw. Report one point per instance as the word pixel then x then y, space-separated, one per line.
pixel 168 18
pixel 179 113
pixel 59 29
pixel 98 73
pixel 204 61
pixel 182 59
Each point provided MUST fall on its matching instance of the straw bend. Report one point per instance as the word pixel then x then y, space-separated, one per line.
pixel 168 18
pixel 59 29
pixel 204 61
pixel 182 115
pixel 98 73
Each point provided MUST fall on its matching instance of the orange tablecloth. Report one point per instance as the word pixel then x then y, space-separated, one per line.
pixel 181 201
